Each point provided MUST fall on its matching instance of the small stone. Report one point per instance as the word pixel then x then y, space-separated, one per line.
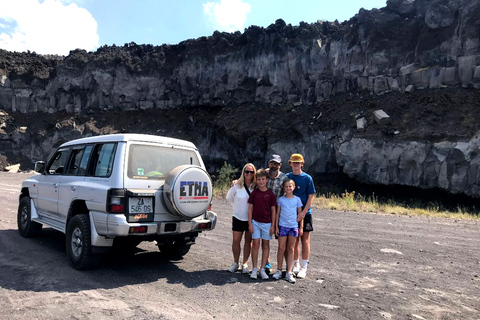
pixel 381 116
pixel 409 89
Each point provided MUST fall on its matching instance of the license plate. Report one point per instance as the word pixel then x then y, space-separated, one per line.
pixel 138 205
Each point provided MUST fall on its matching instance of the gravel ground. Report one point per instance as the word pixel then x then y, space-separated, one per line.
pixel 363 266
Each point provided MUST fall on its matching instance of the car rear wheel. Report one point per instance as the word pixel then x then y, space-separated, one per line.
pixel 26 226
pixel 78 243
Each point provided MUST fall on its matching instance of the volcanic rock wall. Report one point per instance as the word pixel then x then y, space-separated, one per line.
pixel 408 45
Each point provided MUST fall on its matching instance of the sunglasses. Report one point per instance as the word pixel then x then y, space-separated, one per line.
pixel 249 171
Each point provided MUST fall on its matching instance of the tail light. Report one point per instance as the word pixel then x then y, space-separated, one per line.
pixel 206 225
pixel 116 201
pixel 137 229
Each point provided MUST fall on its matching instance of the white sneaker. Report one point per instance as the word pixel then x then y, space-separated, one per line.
pixel 245 268
pixel 302 273
pixel 233 267
pixel 263 274
pixel 296 267
pixel 290 277
pixel 254 274
pixel 277 275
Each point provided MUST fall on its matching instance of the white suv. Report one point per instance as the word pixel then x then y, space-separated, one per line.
pixel 122 189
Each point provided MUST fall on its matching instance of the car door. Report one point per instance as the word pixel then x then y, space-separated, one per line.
pixel 48 185
pixel 73 178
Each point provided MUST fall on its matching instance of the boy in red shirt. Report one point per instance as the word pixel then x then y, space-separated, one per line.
pixel 261 214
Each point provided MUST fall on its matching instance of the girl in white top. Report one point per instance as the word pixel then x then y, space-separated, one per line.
pixel 238 195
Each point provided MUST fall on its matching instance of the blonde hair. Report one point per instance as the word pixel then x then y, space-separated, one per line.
pixel 241 180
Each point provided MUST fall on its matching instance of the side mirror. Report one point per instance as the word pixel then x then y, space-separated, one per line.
pixel 40 166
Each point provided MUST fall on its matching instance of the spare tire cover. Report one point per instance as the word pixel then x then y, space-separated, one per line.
pixel 188 191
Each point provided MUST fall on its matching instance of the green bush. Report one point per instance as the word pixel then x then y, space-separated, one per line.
pixel 225 177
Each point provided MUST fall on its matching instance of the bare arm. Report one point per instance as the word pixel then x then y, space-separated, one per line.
pixel 277 217
pixel 250 214
pixel 272 227
pixel 300 227
pixel 306 207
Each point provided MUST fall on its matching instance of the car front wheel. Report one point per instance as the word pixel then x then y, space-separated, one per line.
pixel 26 226
pixel 78 243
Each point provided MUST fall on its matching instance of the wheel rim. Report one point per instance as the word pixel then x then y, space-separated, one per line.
pixel 77 242
pixel 24 217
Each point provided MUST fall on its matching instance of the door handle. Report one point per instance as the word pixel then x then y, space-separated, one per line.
pixel 55 185
pixel 73 188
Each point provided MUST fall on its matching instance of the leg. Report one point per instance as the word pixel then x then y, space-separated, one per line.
pixel 265 251
pixel 255 248
pixel 296 253
pixel 290 251
pixel 282 241
pixel 306 246
pixel 247 247
pixel 237 238
pixel 305 255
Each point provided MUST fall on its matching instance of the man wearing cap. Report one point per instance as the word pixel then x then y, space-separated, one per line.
pixel 305 190
pixel 275 176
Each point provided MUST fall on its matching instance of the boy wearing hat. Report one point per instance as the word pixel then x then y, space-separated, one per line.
pixel 305 190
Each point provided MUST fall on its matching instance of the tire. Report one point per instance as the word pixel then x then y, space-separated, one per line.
pixel 27 227
pixel 175 250
pixel 78 243
pixel 187 191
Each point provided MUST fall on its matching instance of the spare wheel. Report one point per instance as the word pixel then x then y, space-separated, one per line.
pixel 188 191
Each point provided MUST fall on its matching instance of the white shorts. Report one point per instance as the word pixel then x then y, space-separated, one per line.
pixel 261 230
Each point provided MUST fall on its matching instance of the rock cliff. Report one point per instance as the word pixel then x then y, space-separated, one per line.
pixel 279 89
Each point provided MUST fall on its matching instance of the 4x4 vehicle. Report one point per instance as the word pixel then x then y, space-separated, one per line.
pixel 120 188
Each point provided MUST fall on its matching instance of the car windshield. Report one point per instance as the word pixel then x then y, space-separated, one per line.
pixel 153 162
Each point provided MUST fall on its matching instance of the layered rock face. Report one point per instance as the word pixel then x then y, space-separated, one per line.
pixel 409 45
pixel 451 166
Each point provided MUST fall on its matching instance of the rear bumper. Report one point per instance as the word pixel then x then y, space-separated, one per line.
pixel 116 225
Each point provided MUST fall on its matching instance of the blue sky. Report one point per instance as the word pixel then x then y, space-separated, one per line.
pixel 58 26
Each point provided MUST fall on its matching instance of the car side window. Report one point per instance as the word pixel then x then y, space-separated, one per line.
pixel 102 159
pixel 82 167
pixel 58 162
pixel 74 162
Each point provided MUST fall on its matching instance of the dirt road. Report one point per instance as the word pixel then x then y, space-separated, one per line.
pixel 363 266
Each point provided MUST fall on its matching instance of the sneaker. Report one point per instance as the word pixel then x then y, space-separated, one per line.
pixel 302 273
pixel 296 267
pixel 263 274
pixel 254 274
pixel 268 267
pixel 277 275
pixel 290 277
pixel 233 267
pixel 245 268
